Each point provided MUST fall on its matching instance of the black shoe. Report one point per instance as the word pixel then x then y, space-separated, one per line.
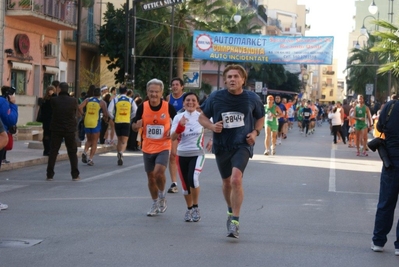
pixel 120 159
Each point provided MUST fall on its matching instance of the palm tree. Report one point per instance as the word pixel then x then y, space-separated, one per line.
pixel 187 16
pixel 388 50
pixel 362 67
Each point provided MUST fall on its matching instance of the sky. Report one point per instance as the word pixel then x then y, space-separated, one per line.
pixel 332 18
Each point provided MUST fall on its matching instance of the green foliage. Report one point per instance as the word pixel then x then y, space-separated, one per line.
pixel 33 123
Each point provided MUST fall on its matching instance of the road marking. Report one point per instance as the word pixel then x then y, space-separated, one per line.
pixel 5 188
pixel 107 174
pixel 332 180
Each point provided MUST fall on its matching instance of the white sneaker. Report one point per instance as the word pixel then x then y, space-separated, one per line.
pixel 279 141
pixel 3 206
pixel 378 248
pixel 266 152
pixel 397 251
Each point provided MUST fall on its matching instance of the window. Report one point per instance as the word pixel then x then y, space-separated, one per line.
pixel 18 80
pixel 47 80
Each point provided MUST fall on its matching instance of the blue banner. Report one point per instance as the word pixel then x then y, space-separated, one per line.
pixel 262 48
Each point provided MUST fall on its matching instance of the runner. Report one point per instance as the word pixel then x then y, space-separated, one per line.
pixel 313 116
pixel 239 117
pixel 122 109
pixel 306 115
pixel 154 116
pixel 176 99
pixel 362 116
pixel 92 122
pixel 190 153
pixel 272 113
pixel 281 120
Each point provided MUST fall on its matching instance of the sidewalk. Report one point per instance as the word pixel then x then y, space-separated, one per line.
pixel 23 156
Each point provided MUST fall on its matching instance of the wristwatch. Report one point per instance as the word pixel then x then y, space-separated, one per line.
pixel 257 132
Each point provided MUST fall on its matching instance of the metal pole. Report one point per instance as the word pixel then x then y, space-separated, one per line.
pixel 78 49
pixel 172 33
pixel 126 67
pixel 133 58
pixel 390 17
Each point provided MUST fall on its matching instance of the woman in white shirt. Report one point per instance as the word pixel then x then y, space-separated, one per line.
pixel 336 122
pixel 190 153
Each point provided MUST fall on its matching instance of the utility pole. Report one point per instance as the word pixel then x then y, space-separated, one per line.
pixel 78 50
pixel 126 67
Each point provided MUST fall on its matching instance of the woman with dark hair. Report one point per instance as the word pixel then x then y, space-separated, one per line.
pixel 190 153
pixel 46 113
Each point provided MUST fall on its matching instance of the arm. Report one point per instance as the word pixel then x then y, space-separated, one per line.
pixel 134 109
pixel 111 109
pixel 178 126
pixel 103 106
pixel 3 136
pixel 279 113
pixel 370 120
pixel 137 121
pixel 82 105
pixel 207 123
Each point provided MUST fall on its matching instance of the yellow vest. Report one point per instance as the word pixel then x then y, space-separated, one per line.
pixel 92 116
pixel 123 109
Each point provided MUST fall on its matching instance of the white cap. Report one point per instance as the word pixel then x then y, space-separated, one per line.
pixel 104 87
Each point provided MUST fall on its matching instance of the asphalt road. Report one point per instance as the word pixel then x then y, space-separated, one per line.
pixel 312 204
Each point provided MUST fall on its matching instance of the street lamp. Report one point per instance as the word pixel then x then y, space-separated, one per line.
pixel 373 9
pixel 363 29
pixel 237 18
pixel 357 45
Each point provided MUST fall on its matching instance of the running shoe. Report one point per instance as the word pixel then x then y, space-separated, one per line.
pixel 154 209
pixel 3 206
pixel 196 215
pixel 378 248
pixel 273 152
pixel 120 159
pixel 234 229
pixel 266 152
pixel 397 251
pixel 162 205
pixel 187 216
pixel 229 215
pixel 84 157
pixel 173 188
pixel 279 141
pixel 90 162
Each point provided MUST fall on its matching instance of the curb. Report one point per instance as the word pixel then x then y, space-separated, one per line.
pixel 43 159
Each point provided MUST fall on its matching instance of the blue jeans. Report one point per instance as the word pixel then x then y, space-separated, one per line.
pixel 389 189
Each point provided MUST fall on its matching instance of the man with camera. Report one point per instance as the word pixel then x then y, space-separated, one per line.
pixel 388 123
pixel 8 112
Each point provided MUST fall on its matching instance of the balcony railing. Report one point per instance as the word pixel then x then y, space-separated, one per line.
pixel 89 37
pixel 62 11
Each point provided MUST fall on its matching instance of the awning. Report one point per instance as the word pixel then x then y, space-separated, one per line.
pixel 49 69
pixel 20 65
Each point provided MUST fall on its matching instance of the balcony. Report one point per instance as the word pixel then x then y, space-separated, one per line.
pixel 89 38
pixel 56 15
pixel 328 84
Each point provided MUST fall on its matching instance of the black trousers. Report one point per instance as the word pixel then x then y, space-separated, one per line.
pixel 70 143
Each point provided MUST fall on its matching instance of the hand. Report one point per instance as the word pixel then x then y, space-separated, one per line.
pixel 139 123
pixel 218 127
pixel 251 137
pixel 11 99
pixel 183 121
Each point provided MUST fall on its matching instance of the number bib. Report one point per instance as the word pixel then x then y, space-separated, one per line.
pixel 155 131
pixel 232 120
pixel 269 116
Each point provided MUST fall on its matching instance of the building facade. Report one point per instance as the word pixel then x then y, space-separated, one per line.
pixel 39 47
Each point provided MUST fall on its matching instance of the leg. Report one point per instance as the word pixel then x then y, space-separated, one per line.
pixel 55 147
pixel 389 188
pixel 173 168
pixel 93 140
pixel 70 143
pixel 267 139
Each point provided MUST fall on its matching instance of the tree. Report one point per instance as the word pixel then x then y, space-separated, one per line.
pixel 388 50
pixel 112 36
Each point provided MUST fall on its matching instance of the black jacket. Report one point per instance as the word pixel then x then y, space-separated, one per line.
pixel 65 110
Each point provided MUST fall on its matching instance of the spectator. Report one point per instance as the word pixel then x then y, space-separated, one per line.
pixel 8 112
pixel 3 143
pixel 63 126
pixel 46 113
pixel 388 124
